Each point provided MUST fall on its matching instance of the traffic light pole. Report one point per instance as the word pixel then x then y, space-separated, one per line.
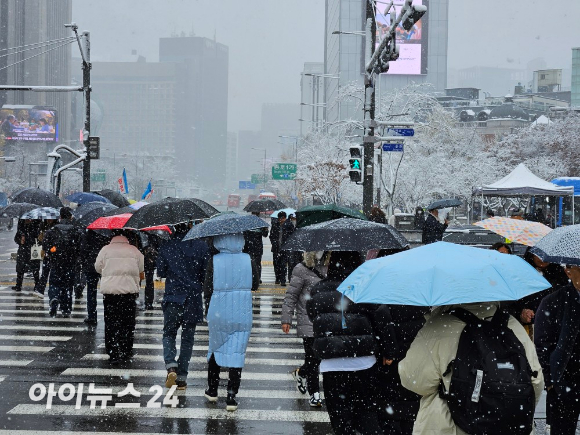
pixel 369 111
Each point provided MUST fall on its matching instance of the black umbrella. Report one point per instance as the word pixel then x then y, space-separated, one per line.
pixel 16 210
pixel 115 197
pixel 444 203
pixel 209 209
pixel 263 205
pixel 227 223
pixel 345 234
pixel 40 197
pixel 168 211
pixel 120 210
pixel 86 214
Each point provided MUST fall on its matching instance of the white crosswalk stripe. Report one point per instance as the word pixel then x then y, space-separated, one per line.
pixel 267 393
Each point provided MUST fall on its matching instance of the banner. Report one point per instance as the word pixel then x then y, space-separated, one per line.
pixel 123 185
pixel 148 192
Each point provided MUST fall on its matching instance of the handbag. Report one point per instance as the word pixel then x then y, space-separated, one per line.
pixel 36 251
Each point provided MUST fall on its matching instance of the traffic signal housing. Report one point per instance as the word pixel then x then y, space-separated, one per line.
pixel 355 164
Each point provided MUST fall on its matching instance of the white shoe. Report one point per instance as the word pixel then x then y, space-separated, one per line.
pixel 315 400
pixel 37 294
pixel 300 381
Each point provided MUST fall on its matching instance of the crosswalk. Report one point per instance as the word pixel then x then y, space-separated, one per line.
pixel 35 348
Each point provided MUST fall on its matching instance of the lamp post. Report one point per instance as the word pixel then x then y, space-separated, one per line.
pixel 263 164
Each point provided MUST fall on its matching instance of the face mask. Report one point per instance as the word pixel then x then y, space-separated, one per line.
pixel 319 255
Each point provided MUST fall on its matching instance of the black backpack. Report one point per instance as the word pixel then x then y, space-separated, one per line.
pixel 491 388
pixel 64 244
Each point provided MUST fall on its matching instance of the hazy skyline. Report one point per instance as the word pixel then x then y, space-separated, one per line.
pixel 269 41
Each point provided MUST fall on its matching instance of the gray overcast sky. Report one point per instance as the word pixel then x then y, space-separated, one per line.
pixel 270 40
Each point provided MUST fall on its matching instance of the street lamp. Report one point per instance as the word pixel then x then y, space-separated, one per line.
pixel 8 159
pixel 263 164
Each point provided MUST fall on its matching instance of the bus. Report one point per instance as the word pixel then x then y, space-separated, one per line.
pixel 267 195
pixel 234 200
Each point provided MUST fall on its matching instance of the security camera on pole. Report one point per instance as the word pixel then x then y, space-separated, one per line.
pixel 377 62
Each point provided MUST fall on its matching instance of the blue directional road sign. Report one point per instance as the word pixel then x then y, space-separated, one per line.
pixel 393 147
pixel 246 185
pixel 408 132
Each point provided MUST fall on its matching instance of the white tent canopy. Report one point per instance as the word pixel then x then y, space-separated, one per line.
pixel 522 182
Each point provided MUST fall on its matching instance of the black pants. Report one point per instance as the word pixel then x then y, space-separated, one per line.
pixel 22 263
pixel 213 377
pixel 257 258
pixel 280 265
pixel 119 324
pixel 311 366
pixel 563 407
pixel 43 280
pixel 149 287
pixel 349 402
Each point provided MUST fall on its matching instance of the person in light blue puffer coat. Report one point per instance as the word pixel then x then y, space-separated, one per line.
pixel 231 276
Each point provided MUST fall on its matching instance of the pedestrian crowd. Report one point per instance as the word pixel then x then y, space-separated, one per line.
pixel 386 369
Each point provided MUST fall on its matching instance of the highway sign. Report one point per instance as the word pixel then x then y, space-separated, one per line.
pixel 246 185
pixel 398 147
pixel 284 171
pixel 408 132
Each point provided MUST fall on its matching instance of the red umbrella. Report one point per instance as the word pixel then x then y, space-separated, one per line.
pixel 110 222
pixel 164 228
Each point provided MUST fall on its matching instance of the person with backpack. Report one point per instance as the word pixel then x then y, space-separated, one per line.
pixel 476 370
pixel 120 265
pixel 558 345
pixel 27 233
pixel 91 244
pixel 304 277
pixel 61 245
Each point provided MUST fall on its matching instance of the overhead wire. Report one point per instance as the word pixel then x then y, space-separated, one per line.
pixel 38 54
pixel 71 39
pixel 53 41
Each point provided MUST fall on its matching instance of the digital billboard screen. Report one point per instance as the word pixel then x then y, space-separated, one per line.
pixel 413 45
pixel 29 123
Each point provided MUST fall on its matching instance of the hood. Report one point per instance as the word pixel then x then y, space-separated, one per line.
pixel 230 243
pixel 119 239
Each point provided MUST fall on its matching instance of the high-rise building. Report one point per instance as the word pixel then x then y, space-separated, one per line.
pixel 201 110
pixel 492 81
pixel 232 162
pixel 576 77
pixel 312 96
pixel 423 53
pixel 26 22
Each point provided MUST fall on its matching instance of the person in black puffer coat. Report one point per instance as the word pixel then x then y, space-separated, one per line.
pixel 344 341
pixel 395 329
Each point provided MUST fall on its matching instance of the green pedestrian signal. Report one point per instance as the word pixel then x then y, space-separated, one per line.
pixel 355 164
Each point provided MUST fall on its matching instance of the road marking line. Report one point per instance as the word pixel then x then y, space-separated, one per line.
pixel 35 337
pixel 14 363
pixel 201 359
pixel 41 349
pixel 295 351
pixel 318 416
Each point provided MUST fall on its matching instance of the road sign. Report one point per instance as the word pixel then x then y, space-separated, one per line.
pixel 94 147
pixel 401 132
pixel 100 176
pixel 398 147
pixel 284 171
pixel 258 178
pixel 246 185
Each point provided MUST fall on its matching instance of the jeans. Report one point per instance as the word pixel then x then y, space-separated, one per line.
pixel 120 313
pixel 213 377
pixel 311 366
pixel 92 281
pixel 62 293
pixel 348 402
pixel 563 407
pixel 175 316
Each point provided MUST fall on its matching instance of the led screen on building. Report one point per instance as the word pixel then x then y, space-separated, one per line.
pixel 413 44
pixel 29 123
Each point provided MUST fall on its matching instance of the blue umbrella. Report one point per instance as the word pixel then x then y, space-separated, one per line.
pixel 442 274
pixel 288 212
pixel 225 224
pixel 85 197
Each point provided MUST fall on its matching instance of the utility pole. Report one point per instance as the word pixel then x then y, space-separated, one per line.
pixel 369 110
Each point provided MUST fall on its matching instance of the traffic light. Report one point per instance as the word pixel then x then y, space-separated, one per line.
pixel 355 164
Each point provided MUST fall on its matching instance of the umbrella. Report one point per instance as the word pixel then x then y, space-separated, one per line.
pixel 86 214
pixel 525 232
pixel 444 203
pixel 288 212
pixel 42 198
pixel 110 222
pixel 138 205
pixel 209 209
pixel 115 197
pixel 316 214
pixel 42 213
pixel 345 234
pixel 561 246
pixel 86 197
pixel 121 210
pixel 16 210
pixel 225 224
pixel 442 274
pixel 263 205
pixel 168 211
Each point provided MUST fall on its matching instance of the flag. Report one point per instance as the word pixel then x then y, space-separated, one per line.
pixel 148 192
pixel 123 185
